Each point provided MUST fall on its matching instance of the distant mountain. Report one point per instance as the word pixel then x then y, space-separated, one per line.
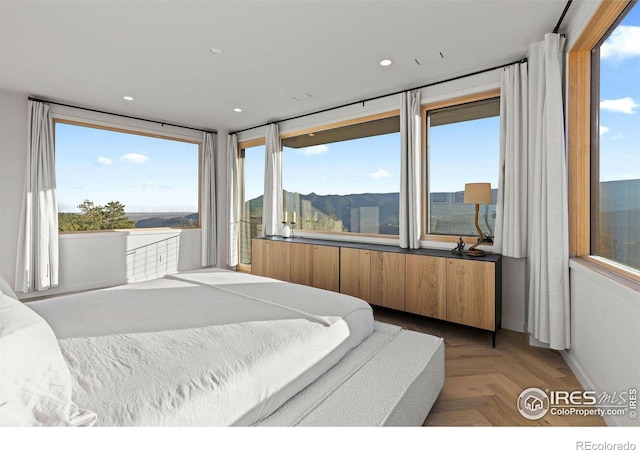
pixel 187 221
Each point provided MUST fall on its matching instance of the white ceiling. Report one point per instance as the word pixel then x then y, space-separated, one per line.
pixel 93 53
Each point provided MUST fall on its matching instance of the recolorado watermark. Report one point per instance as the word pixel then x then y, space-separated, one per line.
pixel 535 403
pixel 588 445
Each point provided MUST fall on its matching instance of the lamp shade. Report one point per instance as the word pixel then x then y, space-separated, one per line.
pixel 477 193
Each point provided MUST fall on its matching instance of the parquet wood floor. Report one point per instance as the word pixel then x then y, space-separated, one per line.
pixel 482 384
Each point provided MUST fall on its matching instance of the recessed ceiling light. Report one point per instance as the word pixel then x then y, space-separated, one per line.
pixel 215 51
pixel 237 109
pixel 311 134
pixel 385 62
pixel 128 98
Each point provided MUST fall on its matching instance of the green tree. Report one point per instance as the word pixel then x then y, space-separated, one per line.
pixel 95 217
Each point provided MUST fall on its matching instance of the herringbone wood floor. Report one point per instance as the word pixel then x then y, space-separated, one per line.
pixel 482 383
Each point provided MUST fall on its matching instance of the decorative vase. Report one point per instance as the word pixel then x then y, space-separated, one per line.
pixel 286 231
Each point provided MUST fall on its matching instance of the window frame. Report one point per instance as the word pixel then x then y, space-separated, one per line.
pixel 425 109
pixel 330 126
pixel 582 142
pixel 112 128
pixel 242 146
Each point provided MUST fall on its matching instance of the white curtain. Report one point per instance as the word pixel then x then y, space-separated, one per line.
pixel 272 204
pixel 410 180
pixel 37 262
pixel 234 189
pixel 511 208
pixel 208 209
pixel 548 237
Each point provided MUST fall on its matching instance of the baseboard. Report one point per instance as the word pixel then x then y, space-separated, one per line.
pixel 586 383
pixel 513 325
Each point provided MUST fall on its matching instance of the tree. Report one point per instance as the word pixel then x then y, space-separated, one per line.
pixel 95 217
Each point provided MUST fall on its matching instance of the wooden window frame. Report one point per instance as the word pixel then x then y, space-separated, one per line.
pixel 80 123
pixel 581 142
pixel 424 234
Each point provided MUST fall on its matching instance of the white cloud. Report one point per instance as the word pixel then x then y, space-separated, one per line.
pixel 380 173
pixel 623 105
pixel 103 161
pixel 603 129
pixel 134 158
pixel 623 43
pixel 314 150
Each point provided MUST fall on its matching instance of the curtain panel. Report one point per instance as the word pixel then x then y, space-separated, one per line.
pixel 37 259
pixel 548 236
pixel 208 208
pixel 272 204
pixel 234 206
pixel 511 208
pixel 410 180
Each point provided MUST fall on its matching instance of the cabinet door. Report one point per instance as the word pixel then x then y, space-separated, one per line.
pixel 258 257
pixel 278 260
pixel 426 286
pixel 388 280
pixel 471 293
pixel 355 272
pixel 325 264
pixel 301 264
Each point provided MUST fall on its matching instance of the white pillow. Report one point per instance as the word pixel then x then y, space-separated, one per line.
pixel 6 289
pixel 35 383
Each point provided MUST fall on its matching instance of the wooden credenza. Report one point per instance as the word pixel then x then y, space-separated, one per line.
pixel 431 283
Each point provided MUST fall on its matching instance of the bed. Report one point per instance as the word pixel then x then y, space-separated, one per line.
pixel 215 347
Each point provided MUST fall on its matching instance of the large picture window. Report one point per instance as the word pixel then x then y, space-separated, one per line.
pixel 615 142
pixel 345 179
pixel 463 146
pixel 251 167
pixel 113 179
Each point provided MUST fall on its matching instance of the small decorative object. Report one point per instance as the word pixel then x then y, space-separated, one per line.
pixel 293 222
pixel 459 248
pixel 286 231
pixel 480 194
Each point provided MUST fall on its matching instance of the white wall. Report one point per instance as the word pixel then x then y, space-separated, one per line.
pixel 87 260
pixel 13 145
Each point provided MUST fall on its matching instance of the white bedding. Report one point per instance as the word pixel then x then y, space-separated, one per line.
pixel 209 347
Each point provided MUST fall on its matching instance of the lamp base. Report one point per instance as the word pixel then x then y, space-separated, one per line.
pixel 476 252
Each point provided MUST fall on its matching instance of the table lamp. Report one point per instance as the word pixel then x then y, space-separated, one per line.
pixel 480 194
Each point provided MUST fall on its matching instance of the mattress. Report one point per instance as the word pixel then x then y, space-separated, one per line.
pixel 208 347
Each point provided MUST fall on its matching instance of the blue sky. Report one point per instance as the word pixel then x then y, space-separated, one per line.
pixel 460 153
pixel 620 101
pixel 145 174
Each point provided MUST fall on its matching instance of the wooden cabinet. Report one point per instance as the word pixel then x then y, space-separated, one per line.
pixel 388 285
pixel 355 272
pixel 271 259
pixel 432 283
pixel 427 286
pixel 311 265
pixel 471 293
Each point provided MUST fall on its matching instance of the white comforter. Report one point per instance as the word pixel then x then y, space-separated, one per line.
pixel 209 347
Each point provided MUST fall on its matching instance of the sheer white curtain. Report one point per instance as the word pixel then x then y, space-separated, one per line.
pixel 272 204
pixel 234 206
pixel 410 180
pixel 511 210
pixel 548 237
pixel 208 208
pixel 37 261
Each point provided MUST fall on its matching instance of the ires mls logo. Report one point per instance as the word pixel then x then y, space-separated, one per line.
pixel 534 403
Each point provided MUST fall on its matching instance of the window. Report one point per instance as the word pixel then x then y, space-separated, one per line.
pixel 251 167
pixel 615 138
pixel 345 179
pixel 463 146
pixel 112 179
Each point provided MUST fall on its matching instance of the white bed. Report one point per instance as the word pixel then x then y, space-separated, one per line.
pixel 215 347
